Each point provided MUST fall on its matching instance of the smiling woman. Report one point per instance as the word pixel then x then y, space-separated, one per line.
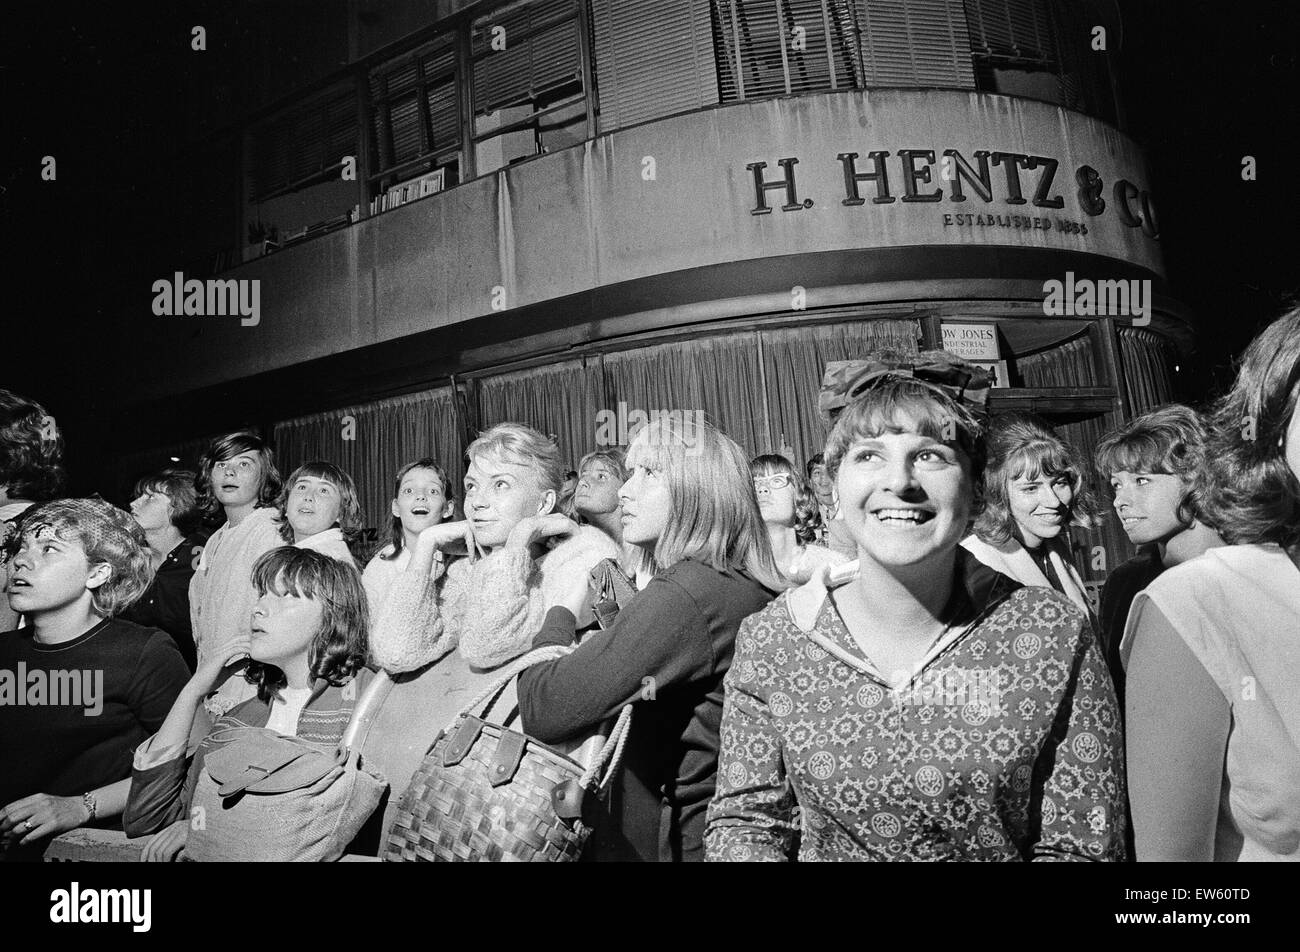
pixel 471 615
pixel 1034 490
pixel 904 646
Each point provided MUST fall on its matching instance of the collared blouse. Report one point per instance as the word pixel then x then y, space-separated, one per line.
pixel 1006 745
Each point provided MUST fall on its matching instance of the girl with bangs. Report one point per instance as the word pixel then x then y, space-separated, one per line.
pixel 1035 488
pixel 1151 464
pixel 792 517
pixel 319 510
pixel 689 513
pixel 237 482
pixel 894 709
pixel 595 499
pixel 422 497
pixel 307 644
pixel 1211 645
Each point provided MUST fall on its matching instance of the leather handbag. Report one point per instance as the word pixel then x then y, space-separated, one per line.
pixel 265 797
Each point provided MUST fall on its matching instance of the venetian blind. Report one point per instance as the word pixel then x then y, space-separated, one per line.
pixel 652 58
pixel 1014 29
pixel 416 108
pixel 537 51
pixel 778 47
pixel 290 150
pixel 915 43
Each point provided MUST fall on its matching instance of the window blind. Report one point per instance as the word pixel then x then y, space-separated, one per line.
pixel 916 43
pixel 309 139
pixel 416 107
pixel 528 67
pixel 652 59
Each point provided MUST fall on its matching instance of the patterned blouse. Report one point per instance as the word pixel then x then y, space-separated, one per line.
pixel 1006 745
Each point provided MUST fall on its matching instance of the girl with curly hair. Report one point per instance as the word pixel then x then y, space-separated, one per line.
pixel 307 642
pixel 31 471
pixel 1035 488
pixel 1210 646
pixel 93 685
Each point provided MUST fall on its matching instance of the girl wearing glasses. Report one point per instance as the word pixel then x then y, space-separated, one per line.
pixel 791 516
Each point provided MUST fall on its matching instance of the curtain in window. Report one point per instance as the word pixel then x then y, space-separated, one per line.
pixel 757 386
pixel 1066 365
pixel 717 376
pixel 372 441
pixel 561 399
pixel 1146 358
pixel 794 361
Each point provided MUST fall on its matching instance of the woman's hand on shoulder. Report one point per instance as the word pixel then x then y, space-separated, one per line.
pixel 533 529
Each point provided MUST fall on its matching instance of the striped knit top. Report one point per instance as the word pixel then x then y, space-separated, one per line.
pixel 163 780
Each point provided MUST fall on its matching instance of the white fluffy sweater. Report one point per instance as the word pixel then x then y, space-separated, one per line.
pixel 491 608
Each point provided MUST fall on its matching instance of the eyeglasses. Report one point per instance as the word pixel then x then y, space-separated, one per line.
pixel 775 481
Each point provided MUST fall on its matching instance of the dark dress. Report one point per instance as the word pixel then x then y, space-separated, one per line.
pixel 166 603
pixel 668 651
pixel 1117 596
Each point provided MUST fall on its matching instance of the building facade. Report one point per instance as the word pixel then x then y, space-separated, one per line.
pixel 571 212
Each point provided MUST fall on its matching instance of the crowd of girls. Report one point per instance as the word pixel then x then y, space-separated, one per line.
pixel 888 653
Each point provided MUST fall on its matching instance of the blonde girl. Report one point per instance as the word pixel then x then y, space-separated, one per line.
pixel 689 511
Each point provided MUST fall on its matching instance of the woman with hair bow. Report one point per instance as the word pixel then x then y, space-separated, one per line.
pixel 916 712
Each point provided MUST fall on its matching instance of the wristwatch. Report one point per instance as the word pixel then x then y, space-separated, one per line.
pixel 88 799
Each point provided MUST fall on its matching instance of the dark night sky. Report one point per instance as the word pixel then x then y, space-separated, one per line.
pixel 110 91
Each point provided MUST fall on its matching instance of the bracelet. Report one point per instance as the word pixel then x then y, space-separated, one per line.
pixel 88 800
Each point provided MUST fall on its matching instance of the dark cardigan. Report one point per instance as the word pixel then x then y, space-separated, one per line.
pixel 667 651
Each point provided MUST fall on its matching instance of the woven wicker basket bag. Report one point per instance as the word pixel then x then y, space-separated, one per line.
pixel 485 792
